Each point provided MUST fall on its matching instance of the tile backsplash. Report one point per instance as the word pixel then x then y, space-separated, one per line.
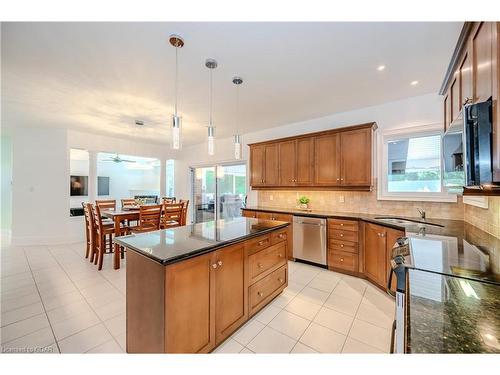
pixel 366 202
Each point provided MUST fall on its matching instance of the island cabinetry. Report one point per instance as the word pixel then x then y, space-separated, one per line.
pixel 267 265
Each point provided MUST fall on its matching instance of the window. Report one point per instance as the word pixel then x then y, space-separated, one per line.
pixel 410 165
pixel 170 178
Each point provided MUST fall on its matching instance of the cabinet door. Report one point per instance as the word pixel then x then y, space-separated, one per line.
pixel 248 213
pixel 231 307
pixel 375 253
pixel 190 292
pixel 287 163
pixel 271 168
pixel 257 165
pixel 466 80
pixel 392 236
pixel 304 171
pixel 481 63
pixel 455 98
pixel 327 160
pixel 356 159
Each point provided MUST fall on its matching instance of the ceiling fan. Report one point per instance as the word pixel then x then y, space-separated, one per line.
pixel 118 159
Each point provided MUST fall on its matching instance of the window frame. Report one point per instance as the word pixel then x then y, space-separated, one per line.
pixel 383 137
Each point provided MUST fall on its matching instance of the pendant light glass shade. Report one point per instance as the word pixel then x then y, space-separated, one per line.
pixel 176 126
pixel 176 138
pixel 211 140
pixel 237 146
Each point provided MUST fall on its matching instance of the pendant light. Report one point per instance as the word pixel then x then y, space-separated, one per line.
pixel 176 141
pixel 211 64
pixel 237 137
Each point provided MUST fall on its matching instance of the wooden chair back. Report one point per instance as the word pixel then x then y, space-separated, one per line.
pixel 106 204
pixel 98 226
pixel 128 202
pixel 172 215
pixel 149 217
pixel 168 200
pixel 185 204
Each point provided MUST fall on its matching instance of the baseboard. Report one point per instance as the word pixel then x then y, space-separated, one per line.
pixel 44 240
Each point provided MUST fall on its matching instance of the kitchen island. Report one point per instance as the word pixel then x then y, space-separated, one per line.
pixel 189 288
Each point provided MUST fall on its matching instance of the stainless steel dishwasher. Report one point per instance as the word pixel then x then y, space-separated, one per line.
pixel 309 239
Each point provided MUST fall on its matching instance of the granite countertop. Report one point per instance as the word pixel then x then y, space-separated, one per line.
pixel 173 245
pixel 447 314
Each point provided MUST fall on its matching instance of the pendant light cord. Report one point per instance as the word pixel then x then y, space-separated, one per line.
pixel 210 98
pixel 176 78
pixel 237 107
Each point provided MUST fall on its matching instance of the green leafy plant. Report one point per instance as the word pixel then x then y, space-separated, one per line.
pixel 304 200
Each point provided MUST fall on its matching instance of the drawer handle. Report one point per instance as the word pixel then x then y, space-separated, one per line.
pixel 281 235
pixel 281 280
pixel 341 234
pixel 260 265
pixel 280 255
pixel 219 263
pixel 341 224
pixel 261 242
pixel 260 294
pixel 214 265
pixel 341 245
pixel 341 259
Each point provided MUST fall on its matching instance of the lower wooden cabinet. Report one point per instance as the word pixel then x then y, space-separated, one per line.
pixel 343 249
pixel 378 242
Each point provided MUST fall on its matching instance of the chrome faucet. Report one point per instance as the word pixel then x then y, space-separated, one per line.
pixel 421 211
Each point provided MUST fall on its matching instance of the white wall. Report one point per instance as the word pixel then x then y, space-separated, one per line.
pixel 40 175
pixel 419 110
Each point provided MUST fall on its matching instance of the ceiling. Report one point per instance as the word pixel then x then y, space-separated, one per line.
pixel 101 77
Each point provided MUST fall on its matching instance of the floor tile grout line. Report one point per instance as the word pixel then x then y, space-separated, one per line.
pixel 98 317
pixel 43 305
pixel 355 315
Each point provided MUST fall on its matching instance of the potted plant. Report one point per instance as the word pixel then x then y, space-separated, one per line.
pixel 303 202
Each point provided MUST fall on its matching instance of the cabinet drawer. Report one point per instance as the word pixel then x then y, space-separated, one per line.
pixel 258 243
pixel 260 293
pixel 248 213
pixel 344 260
pixel 343 235
pixel 350 225
pixel 350 247
pixel 264 261
pixel 264 215
pixel 279 236
pixel 282 217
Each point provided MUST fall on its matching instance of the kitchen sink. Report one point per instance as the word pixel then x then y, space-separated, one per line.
pixel 401 220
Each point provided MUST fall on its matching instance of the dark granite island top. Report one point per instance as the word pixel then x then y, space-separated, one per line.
pixel 169 246
pixel 447 314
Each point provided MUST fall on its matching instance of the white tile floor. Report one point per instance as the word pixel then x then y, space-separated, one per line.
pixel 55 301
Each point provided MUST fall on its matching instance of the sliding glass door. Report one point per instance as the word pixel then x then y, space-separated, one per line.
pixel 219 191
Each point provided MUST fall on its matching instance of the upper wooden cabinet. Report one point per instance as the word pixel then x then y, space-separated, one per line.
pixel 473 76
pixel 335 159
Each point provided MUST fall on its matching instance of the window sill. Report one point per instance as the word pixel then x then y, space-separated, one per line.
pixel 417 198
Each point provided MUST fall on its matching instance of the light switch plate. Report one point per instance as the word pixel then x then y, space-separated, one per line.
pixel 341 199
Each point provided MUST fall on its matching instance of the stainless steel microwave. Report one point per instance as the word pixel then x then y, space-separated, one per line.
pixel 467 149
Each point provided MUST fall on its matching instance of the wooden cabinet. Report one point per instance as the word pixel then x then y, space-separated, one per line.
pixel 473 76
pixel 230 291
pixel 327 160
pixel 191 319
pixel 378 242
pixel 343 238
pixel 334 159
pixel 248 213
pixel 355 146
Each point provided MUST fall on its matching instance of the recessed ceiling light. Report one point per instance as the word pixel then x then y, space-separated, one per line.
pixel 381 67
pixel 413 83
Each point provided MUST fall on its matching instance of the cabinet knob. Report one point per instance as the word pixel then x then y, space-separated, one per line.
pixel 381 234
pixel 341 234
pixel 260 265
pixel 338 179
pixel 341 245
pixel 214 265
pixel 341 259
pixel 260 243
pixel 281 280
pixel 280 235
pixel 260 294
pixel 341 224
pixel 341 179
pixel 280 255
pixel 219 263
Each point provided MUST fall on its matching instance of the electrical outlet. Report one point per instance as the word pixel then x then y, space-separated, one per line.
pixel 341 199
pixel 271 197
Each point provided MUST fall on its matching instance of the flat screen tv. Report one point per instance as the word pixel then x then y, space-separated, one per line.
pixel 79 185
pixel 102 185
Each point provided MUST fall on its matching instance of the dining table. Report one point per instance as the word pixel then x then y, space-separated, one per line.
pixel 130 213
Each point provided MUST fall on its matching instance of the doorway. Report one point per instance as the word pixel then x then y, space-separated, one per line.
pixel 219 191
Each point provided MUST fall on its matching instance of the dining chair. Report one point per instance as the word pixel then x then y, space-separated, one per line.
pixel 89 230
pixel 185 204
pixel 149 219
pixel 102 233
pixel 168 200
pixel 128 202
pixel 172 215
pixel 106 204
